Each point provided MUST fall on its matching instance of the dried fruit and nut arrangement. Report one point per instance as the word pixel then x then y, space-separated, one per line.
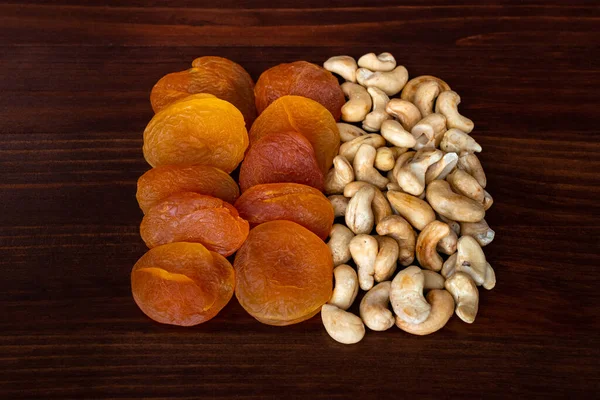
pixel 403 220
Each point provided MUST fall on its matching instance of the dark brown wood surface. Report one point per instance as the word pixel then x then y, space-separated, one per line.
pixel 74 100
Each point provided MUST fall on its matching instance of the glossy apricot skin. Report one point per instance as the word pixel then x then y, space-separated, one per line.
pixel 218 76
pixel 196 131
pixel 281 157
pixel 284 273
pixel 300 78
pixel 287 201
pixel 311 119
pixel 161 182
pixel 182 283
pixel 192 217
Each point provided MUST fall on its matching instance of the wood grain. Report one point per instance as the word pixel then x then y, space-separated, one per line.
pixel 74 90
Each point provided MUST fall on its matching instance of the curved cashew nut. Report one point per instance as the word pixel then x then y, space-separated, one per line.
pixel 400 230
pixel 447 104
pixel 480 231
pixel 390 82
pixel 465 184
pixel 470 163
pixel 406 296
pixel 459 142
pixel 380 206
pixel 429 131
pixel 339 242
pixel 411 177
pixel 442 308
pixel 470 259
pixel 394 133
pixel 346 287
pixel 452 205
pixel 373 120
pixel 488 200
pixel 427 242
pixel 433 280
pixel 448 243
pixel 359 216
pixel 339 204
pixel 349 132
pixel 465 294
pixel 404 111
pixel 349 149
pixel 364 253
pixel 387 256
pixel 339 176
pixel 358 104
pixel 342 326
pixel 425 96
pixel 384 62
pixel 410 89
pixel 442 168
pixel 344 66
pixel 385 160
pixel 364 169
pixel 416 211
pixel 374 308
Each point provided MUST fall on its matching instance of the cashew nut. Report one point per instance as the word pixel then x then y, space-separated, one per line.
pixel 425 96
pixel 339 242
pixel 490 278
pixel 359 216
pixel 459 142
pixel 470 259
pixel 364 253
pixel 380 206
pixel 398 151
pixel 387 256
pixel 358 104
pixel 429 131
pixel 427 242
pixel 465 184
pixel 433 280
pixel 400 230
pixel 349 132
pixel 390 82
pixel 411 177
pixel 410 89
pixel 406 296
pixel 385 160
pixel 374 308
pixel 401 162
pixel 364 169
pixel 404 111
pixel 373 120
pixel 480 230
pixel 455 226
pixel 341 325
pixel 442 308
pixel 345 288
pixel 344 66
pixel 447 104
pixel 470 163
pixel 349 149
pixel 452 205
pixel 394 133
pixel 339 176
pixel 442 168
pixel 465 294
pixel 339 204
pixel 448 243
pixel 449 266
pixel 383 62
pixel 488 200
pixel 416 211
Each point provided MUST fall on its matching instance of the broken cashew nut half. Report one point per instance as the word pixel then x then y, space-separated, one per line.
pixel 374 308
pixel 342 326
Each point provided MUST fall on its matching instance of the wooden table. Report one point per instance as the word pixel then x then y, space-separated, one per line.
pixel 74 88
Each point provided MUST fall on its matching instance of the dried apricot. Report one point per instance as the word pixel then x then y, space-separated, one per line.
pixel 281 157
pixel 215 75
pixel 284 273
pixel 300 78
pixel 287 201
pixel 296 113
pixel 193 217
pixel 182 283
pixel 202 131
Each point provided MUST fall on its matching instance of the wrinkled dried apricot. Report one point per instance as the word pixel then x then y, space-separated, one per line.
pixel 300 78
pixel 197 131
pixel 283 273
pixel 287 201
pixel 182 283
pixel 281 157
pixel 159 183
pixel 193 217
pixel 296 113
pixel 215 75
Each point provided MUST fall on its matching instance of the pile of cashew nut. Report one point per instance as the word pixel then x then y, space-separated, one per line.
pixel 410 188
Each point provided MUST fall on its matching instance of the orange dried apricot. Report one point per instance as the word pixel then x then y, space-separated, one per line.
pixel 287 201
pixel 284 273
pixel 300 78
pixel 197 131
pixel 296 113
pixel 193 217
pixel 281 157
pixel 219 76
pixel 159 183
pixel 182 283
